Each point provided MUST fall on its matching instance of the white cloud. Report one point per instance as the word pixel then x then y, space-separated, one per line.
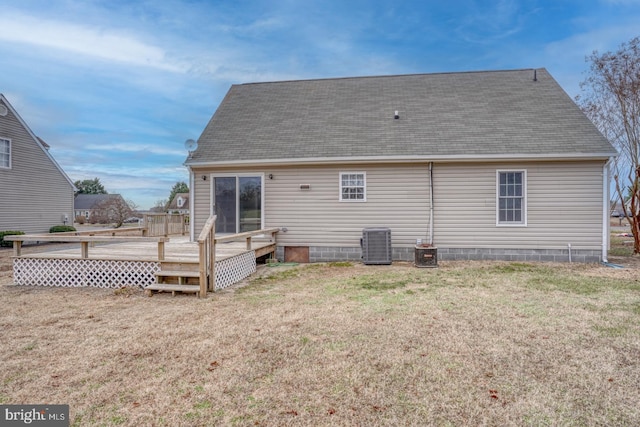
pixel 568 56
pixel 498 21
pixel 138 148
pixel 102 43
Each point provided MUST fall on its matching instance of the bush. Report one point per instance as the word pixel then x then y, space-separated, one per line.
pixel 7 244
pixel 61 229
pixel 80 219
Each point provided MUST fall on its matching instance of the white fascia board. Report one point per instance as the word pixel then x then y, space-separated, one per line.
pixel 402 159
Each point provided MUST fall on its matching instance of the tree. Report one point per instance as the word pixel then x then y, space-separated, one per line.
pixel 160 206
pixel 113 210
pixel 612 102
pixel 178 187
pixel 90 186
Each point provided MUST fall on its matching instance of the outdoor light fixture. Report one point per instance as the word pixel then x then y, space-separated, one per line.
pixel 204 177
pixel 270 176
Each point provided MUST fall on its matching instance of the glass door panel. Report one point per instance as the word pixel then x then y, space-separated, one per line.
pixel 237 203
pixel 250 203
pixel 225 204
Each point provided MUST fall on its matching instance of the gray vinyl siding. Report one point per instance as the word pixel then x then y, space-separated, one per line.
pixel 564 205
pixel 397 197
pixel 201 201
pixel 34 193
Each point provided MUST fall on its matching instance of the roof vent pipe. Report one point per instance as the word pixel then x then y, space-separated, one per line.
pixel 396 115
pixel 535 75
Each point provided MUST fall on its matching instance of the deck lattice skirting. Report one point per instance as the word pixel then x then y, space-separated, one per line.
pixel 234 269
pixel 97 273
pixel 116 274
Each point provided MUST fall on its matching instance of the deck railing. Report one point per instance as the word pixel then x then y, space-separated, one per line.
pixel 207 241
pixel 83 239
pixel 207 256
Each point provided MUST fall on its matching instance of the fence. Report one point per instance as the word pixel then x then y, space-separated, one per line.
pixel 164 224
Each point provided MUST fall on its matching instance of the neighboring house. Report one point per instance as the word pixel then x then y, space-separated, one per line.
pixel 179 204
pixel 93 206
pixel 485 165
pixel 36 193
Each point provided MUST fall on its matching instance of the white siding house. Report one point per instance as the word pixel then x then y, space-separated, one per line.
pixel 485 165
pixel 36 193
pixel 179 204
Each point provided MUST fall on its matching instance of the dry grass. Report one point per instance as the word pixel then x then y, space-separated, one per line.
pixel 465 344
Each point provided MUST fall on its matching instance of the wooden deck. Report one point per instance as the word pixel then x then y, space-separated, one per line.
pixel 177 249
pixel 100 262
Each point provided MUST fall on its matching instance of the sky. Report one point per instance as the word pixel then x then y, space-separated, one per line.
pixel 116 87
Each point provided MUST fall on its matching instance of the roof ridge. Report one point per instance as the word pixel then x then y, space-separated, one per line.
pixel 391 76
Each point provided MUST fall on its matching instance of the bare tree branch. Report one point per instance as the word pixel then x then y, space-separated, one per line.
pixel 612 101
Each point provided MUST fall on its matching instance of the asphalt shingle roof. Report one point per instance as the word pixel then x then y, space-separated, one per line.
pixel 451 115
pixel 88 201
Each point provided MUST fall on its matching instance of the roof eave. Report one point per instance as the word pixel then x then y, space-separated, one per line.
pixel 401 159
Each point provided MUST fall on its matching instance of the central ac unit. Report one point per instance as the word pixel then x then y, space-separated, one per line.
pixel 376 246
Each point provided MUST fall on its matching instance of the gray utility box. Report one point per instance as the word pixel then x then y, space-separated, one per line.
pixel 376 246
pixel 426 256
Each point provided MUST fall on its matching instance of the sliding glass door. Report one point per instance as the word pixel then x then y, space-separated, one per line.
pixel 237 203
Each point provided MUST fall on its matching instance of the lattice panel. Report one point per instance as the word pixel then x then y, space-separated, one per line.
pixel 84 272
pixel 234 269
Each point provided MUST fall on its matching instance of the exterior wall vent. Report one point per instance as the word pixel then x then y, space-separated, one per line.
pixel 376 246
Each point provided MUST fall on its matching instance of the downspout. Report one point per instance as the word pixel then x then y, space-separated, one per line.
pixel 605 210
pixel 431 203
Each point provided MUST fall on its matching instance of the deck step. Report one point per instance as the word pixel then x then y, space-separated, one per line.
pixel 172 288
pixel 177 273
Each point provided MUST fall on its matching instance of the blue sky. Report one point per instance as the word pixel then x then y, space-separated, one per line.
pixel 116 87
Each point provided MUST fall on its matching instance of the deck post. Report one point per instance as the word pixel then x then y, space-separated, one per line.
pixel 17 247
pixel 207 256
pixel 160 250
pixel 249 243
pixel 202 268
pixel 212 259
pixel 84 250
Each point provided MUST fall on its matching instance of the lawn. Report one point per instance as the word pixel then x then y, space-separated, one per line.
pixel 468 343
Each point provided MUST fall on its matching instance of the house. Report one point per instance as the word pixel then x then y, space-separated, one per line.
pixel 482 165
pixel 36 193
pixel 98 207
pixel 179 204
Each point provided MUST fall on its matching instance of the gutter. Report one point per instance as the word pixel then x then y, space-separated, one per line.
pixel 400 159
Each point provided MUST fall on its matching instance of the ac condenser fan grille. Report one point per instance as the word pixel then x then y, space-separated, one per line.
pixel 376 246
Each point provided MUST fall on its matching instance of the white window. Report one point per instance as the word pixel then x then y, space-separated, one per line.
pixel 353 186
pixel 5 153
pixel 511 193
